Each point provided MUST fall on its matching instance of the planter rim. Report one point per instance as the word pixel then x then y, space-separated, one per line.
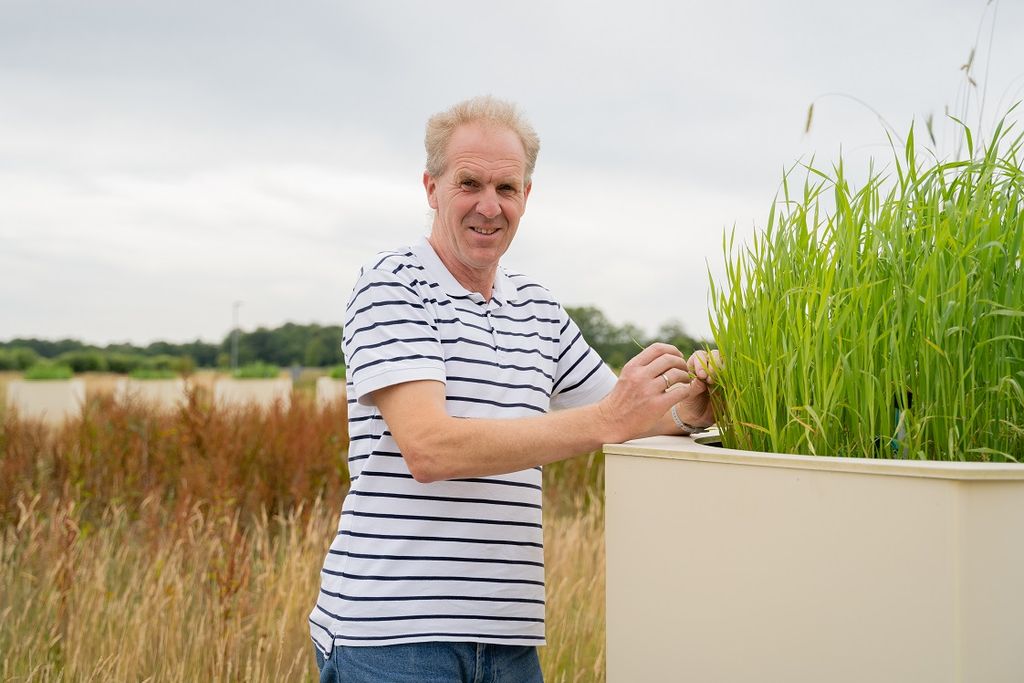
pixel 691 448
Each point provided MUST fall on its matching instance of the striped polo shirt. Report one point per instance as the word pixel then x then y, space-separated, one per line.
pixel 463 559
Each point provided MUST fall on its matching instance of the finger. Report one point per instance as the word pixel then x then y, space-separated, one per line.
pixel 677 376
pixel 654 351
pixel 701 364
pixel 663 364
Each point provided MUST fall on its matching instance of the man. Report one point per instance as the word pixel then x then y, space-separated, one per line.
pixel 455 365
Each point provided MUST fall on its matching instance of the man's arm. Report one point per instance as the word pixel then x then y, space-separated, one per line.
pixel 437 446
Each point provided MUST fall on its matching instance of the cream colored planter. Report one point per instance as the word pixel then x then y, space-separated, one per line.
pixel 729 565
pixel 159 393
pixel 53 400
pixel 229 391
pixel 329 390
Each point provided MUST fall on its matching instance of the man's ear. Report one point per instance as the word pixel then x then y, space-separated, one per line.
pixel 430 185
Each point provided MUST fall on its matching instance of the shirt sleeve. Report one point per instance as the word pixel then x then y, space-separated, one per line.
pixel 581 377
pixel 390 335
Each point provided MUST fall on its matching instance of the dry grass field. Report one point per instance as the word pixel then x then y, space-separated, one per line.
pixel 138 545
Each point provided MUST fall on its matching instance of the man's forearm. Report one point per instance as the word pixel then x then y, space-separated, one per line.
pixel 456 447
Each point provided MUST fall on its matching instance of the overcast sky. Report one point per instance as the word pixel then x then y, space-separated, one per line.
pixel 161 160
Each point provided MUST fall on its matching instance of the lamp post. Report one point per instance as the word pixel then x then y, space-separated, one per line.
pixel 234 335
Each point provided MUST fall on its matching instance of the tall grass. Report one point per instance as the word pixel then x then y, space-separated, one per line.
pixel 144 545
pixel 885 320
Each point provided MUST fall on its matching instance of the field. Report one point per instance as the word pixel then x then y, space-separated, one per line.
pixel 137 545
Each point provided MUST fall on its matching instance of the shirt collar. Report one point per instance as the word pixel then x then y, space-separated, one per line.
pixel 502 291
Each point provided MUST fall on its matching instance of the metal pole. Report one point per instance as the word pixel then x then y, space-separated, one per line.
pixel 234 335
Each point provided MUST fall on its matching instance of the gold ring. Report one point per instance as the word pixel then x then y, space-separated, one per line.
pixel 668 384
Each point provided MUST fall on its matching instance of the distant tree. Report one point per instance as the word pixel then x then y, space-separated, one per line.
pixel 672 332
pixel 615 344
pixel 85 360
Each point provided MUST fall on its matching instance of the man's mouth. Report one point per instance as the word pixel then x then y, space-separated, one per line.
pixel 483 231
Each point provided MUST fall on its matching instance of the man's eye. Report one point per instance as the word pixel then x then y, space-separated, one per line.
pixel 468 183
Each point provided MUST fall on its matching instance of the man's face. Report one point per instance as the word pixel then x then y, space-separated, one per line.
pixel 479 199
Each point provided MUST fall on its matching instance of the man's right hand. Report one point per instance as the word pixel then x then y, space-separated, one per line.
pixel 641 398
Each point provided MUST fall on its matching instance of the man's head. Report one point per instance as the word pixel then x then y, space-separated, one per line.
pixel 486 110
pixel 477 181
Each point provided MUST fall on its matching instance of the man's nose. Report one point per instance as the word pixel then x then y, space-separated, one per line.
pixel 488 206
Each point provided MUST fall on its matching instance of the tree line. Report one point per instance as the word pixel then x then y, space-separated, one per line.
pixel 292 344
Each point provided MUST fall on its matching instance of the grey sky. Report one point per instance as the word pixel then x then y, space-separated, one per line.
pixel 160 160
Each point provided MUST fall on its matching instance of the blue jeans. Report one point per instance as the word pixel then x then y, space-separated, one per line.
pixel 434 662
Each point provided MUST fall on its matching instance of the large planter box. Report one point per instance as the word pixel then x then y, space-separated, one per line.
pixel 728 565
pixel 159 393
pixel 329 391
pixel 229 391
pixel 53 401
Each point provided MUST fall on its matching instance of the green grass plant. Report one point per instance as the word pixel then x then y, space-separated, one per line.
pixel 337 372
pixel 885 320
pixel 257 371
pixel 44 370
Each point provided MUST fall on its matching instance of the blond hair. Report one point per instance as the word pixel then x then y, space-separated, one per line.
pixel 483 109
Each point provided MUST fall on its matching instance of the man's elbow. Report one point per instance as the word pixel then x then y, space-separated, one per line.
pixel 423 466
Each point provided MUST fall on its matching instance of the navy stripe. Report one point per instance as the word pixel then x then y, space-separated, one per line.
pixel 527 319
pixel 366 417
pixel 397 475
pixel 570 347
pixel 475 480
pixel 526 334
pixel 432 558
pixel 503 385
pixel 492 347
pixel 386 342
pixel 588 376
pixel 520 304
pixel 383 323
pixel 406 265
pixel 402 617
pixel 397 598
pixel 457 340
pixel 439 634
pixel 503 366
pixel 470 399
pixel 429 518
pixel 502 482
pixel 452 539
pixel 396 359
pixel 454 321
pixel 464 310
pixel 449 499
pixel 360 437
pixel 565 326
pixel 374 285
pixel 471 579
pixel 383 454
pixel 389 255
pixel 386 302
pixel 565 375
pixel 322 629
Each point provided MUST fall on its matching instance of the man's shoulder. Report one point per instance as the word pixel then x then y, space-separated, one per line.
pixel 395 265
pixel 391 261
pixel 529 289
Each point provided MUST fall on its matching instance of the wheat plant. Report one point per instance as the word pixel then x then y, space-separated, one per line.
pixel 884 319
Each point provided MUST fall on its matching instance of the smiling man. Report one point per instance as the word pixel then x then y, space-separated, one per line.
pixel 464 379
